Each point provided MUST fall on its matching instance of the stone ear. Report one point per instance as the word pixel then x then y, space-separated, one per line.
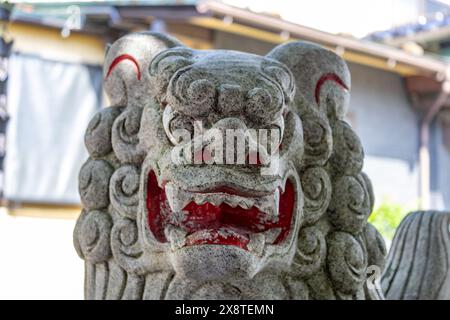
pixel 322 78
pixel 125 70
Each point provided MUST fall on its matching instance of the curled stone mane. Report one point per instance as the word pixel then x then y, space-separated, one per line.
pixel 333 245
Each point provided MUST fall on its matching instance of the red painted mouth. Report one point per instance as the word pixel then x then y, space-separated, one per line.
pixel 222 224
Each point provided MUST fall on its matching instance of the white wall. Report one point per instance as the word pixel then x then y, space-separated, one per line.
pixel 38 260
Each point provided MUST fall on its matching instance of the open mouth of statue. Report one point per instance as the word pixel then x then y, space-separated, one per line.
pixel 222 216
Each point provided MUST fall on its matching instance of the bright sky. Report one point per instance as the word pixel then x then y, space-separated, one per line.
pixel 357 17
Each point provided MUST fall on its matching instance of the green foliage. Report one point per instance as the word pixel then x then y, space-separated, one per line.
pixel 387 216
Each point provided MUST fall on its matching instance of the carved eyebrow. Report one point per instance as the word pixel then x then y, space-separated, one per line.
pixel 269 65
pixel 121 58
pixel 174 52
pixel 325 77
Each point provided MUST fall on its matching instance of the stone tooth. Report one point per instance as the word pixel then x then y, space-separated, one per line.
pixel 176 197
pixel 264 156
pixel 271 235
pixel 283 185
pixel 232 201
pixel 215 199
pixel 243 204
pixel 256 243
pixel 246 203
pixel 176 237
pixel 284 181
pixel 262 203
pixel 270 204
pixel 200 198
pixel 276 202
pixel 250 202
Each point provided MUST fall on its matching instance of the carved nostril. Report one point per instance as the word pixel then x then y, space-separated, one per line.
pixel 259 103
pixel 231 99
pixel 201 93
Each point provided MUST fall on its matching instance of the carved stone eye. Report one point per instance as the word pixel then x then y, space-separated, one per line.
pixel 169 61
pixel 258 100
pixel 283 78
pixel 201 93
pixel 164 66
pixel 281 75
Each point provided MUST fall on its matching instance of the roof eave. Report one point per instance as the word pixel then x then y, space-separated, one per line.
pixel 422 64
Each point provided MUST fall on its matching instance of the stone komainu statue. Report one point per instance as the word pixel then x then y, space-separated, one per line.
pixel 155 228
pixel 418 265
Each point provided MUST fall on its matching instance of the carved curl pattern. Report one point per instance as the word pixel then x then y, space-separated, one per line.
pixel 316 186
pixel 369 188
pixel 311 250
pixel 125 245
pixel 98 133
pixel 92 236
pixel 282 75
pixel 94 183
pixel 124 190
pixel 350 205
pixel 348 153
pixel 164 65
pixel 376 249
pixel 125 140
pixel 347 262
pixel 318 140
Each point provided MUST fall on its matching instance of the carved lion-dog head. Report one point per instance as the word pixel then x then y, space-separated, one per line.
pixel 224 174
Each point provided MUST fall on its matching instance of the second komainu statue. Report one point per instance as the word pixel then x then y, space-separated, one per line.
pixel 225 175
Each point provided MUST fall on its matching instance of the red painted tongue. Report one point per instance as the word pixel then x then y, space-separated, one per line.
pixel 219 236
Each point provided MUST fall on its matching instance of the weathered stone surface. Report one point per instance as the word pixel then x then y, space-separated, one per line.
pixel 98 134
pixel 167 216
pixel 418 263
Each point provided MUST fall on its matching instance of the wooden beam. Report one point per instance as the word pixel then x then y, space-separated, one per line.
pixel 422 85
pixel 43 211
pixel 193 36
pixel 423 64
pixel 275 38
pixel 48 43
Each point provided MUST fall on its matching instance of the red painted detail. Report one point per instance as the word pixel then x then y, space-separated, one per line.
pixel 198 156
pixel 254 158
pixel 286 209
pixel 325 77
pixel 203 156
pixel 207 156
pixel 121 58
pixel 156 206
pixel 217 225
